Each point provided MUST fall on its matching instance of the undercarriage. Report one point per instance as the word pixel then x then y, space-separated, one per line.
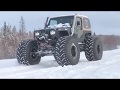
pixel 44 49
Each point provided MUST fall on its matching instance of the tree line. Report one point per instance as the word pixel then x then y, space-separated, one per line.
pixel 109 42
pixel 10 38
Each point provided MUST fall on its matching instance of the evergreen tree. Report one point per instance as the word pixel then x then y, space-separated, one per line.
pixel 22 28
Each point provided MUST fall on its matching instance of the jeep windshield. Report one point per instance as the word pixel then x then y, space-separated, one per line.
pixel 61 21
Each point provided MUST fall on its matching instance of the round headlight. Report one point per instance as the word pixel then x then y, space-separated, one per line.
pixel 52 32
pixel 36 34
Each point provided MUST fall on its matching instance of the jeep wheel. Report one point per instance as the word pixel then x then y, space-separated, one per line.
pixel 26 53
pixel 93 49
pixel 67 51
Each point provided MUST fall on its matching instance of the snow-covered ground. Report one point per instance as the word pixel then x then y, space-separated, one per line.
pixel 108 67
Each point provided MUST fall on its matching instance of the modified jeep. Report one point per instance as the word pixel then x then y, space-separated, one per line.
pixel 64 37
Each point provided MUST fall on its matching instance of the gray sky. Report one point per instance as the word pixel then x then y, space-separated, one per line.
pixel 102 22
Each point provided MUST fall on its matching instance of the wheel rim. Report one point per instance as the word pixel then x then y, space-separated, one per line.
pixel 32 53
pixel 73 51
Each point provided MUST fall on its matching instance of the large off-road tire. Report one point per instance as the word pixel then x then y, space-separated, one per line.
pixel 67 51
pixel 25 53
pixel 93 49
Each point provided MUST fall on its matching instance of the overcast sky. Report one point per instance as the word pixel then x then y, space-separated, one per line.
pixel 102 22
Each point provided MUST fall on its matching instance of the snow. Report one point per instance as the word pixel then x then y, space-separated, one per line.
pixel 108 67
pixel 59 25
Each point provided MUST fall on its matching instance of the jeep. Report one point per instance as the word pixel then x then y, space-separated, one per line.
pixel 64 37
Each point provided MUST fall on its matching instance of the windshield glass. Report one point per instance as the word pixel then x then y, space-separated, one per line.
pixel 61 20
